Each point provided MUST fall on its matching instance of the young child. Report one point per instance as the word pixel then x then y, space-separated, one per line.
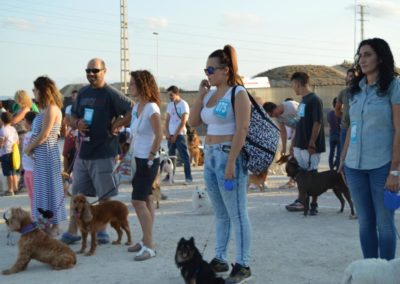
pixel 8 137
pixel 27 161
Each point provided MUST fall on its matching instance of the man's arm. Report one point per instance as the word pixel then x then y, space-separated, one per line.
pixel 283 138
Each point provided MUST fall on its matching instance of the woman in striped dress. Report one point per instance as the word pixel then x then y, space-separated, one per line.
pixel 47 182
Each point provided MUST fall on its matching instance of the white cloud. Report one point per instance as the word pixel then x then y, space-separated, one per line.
pixel 156 23
pixel 18 23
pixel 381 8
pixel 237 19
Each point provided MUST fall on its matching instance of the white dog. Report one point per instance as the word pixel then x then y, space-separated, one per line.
pixel 372 271
pixel 200 202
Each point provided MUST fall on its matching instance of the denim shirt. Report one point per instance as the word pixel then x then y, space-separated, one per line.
pixel 372 128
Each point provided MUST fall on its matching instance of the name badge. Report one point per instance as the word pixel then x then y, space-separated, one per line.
pixel 301 110
pixel 221 109
pixel 88 116
pixel 353 133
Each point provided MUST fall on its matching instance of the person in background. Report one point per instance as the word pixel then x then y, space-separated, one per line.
pixel 98 113
pixel 287 118
pixel 371 153
pixel 48 192
pixel 146 133
pixel 8 137
pixel 27 161
pixel 342 107
pixel 224 174
pixel 70 140
pixel 334 137
pixel 177 116
pixel 309 140
pixel 23 104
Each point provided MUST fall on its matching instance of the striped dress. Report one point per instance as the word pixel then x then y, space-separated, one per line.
pixel 47 183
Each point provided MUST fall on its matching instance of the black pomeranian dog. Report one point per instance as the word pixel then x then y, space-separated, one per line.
pixel 193 268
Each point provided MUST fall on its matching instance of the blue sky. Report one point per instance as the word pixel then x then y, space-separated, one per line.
pixel 57 38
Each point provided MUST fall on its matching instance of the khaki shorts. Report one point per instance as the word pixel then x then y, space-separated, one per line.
pixel 93 178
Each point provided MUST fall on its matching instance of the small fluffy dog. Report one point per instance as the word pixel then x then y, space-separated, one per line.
pixel 312 183
pixel 200 202
pixel 194 269
pixel 36 244
pixel 91 218
pixel 372 271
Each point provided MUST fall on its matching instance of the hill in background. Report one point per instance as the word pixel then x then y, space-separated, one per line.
pixel 320 75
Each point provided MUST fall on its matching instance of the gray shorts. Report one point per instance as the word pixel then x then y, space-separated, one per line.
pixel 93 178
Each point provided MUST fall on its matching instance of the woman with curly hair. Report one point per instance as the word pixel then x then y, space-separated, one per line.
pixel 371 152
pixel 47 182
pixel 146 138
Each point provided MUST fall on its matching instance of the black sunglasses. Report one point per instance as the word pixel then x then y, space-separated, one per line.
pixel 93 70
pixel 211 70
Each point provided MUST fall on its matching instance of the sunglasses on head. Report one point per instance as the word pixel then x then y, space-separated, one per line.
pixel 93 70
pixel 211 70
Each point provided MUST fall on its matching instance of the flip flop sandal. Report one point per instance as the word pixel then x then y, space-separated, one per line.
pixel 144 254
pixel 136 248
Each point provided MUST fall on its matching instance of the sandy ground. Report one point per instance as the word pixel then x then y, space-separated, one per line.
pixel 286 247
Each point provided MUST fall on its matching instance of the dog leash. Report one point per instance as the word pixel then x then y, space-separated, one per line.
pixel 207 239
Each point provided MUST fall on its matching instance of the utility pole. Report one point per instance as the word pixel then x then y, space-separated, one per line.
pixel 124 54
pixel 156 35
pixel 362 20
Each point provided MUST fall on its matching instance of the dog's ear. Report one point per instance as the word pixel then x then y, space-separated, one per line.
pixel 86 213
pixel 191 241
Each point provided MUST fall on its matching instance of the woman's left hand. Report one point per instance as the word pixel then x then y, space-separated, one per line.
pixel 230 171
pixel 392 183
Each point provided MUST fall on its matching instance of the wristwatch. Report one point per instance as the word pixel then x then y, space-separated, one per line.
pixel 150 163
pixel 395 173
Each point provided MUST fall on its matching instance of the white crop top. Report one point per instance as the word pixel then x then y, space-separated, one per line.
pixel 220 119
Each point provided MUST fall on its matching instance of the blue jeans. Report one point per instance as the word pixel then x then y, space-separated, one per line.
pixel 180 145
pixel 377 229
pixel 230 207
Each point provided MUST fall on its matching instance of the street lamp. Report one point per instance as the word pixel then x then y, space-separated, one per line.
pixel 156 34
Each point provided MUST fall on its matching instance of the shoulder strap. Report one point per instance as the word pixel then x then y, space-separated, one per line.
pixel 176 110
pixel 255 105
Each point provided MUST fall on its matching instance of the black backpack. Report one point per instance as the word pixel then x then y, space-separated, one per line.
pixel 262 138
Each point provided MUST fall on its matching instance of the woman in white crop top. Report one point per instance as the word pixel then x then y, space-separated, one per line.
pixel 147 135
pixel 224 173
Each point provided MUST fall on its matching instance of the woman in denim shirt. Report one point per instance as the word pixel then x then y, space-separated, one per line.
pixel 224 174
pixel 372 147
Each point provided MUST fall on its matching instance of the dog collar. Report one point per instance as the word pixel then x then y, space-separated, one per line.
pixel 29 228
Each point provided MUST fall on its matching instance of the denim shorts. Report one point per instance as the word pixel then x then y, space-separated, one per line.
pixel 6 165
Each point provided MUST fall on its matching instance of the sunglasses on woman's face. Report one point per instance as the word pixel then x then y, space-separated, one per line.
pixel 93 70
pixel 211 70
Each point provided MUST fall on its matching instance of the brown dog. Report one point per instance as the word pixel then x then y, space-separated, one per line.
pixel 196 154
pixel 91 218
pixel 259 180
pixel 36 244
pixel 312 183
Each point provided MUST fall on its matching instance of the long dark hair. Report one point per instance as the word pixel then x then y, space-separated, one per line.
pixel 48 92
pixel 385 65
pixel 228 57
